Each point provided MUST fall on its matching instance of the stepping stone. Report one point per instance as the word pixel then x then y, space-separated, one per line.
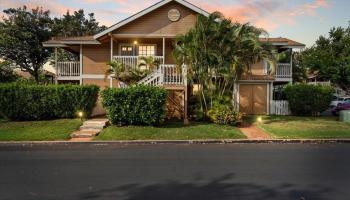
pixel 85 133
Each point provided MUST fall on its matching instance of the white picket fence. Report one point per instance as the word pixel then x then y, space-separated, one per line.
pixel 280 107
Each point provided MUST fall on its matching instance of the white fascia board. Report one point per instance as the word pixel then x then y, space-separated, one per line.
pixel 54 45
pixel 148 10
pixel 293 47
pixel 81 42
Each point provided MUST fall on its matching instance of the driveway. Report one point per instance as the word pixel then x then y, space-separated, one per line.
pixel 173 172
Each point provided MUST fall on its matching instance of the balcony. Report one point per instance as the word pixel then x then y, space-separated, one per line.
pixel 132 62
pixel 283 72
pixel 68 70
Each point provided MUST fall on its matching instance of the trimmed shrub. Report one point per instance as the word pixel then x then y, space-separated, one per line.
pixel 308 99
pixel 138 105
pixel 225 115
pixel 38 102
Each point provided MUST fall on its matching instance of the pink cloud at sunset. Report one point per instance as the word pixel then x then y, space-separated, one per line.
pixel 267 14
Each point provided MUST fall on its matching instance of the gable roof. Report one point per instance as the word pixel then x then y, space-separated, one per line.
pixel 282 42
pixel 63 41
pixel 148 10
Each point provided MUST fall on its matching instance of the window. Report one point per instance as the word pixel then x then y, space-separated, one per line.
pixel 126 50
pixel 147 50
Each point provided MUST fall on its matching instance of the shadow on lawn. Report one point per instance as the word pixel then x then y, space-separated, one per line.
pixel 222 188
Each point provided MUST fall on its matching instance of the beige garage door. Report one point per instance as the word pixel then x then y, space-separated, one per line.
pixel 252 98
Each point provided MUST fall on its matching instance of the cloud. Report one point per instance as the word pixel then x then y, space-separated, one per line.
pixel 54 7
pixel 267 14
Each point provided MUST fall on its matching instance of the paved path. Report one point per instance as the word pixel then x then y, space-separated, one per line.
pixel 174 172
pixel 253 133
pixel 89 129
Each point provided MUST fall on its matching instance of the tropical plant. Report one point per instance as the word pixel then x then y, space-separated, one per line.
pixel 149 63
pixel 116 70
pixel 119 72
pixel 217 52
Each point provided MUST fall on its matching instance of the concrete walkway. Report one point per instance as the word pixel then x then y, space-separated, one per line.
pixel 88 130
pixel 253 133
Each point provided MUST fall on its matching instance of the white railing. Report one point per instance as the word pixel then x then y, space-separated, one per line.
pixel 166 75
pixel 284 70
pixel 280 107
pixel 173 75
pixel 326 83
pixel 71 68
pixel 132 62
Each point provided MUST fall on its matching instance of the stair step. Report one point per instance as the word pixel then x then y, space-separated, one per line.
pixel 93 126
pixel 85 134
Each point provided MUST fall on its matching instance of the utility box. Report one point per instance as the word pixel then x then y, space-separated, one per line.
pixel 345 116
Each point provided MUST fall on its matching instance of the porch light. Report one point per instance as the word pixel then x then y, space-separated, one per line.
pixel 135 42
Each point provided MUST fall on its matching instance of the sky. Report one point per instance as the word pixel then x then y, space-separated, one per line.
pixel 300 20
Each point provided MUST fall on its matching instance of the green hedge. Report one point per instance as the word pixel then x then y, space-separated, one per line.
pixel 308 99
pixel 138 105
pixel 37 102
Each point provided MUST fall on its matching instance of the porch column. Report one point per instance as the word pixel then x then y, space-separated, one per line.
pixel 81 64
pixel 56 66
pixel 163 50
pixel 291 63
pixel 110 78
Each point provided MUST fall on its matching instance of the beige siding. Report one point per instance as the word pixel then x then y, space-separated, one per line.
pixel 157 22
pixel 99 82
pixel 258 68
pixel 95 58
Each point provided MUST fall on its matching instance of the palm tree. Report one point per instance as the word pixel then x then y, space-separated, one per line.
pixel 149 62
pixel 116 70
pixel 217 52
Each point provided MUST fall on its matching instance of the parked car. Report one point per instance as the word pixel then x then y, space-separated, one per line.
pixel 342 106
pixel 337 101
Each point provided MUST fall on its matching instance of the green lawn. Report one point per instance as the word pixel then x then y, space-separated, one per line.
pixel 290 127
pixel 38 130
pixel 171 131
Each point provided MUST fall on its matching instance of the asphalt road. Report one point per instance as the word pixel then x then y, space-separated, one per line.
pixel 177 172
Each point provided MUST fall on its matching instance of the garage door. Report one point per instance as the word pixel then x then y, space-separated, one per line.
pixel 253 98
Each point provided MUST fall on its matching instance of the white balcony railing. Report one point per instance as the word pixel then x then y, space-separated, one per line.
pixel 167 75
pixel 68 69
pixel 284 70
pixel 132 62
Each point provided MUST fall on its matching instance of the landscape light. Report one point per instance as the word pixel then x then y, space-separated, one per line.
pixel 81 114
pixel 259 119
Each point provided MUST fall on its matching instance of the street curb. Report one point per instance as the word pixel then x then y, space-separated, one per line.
pixel 153 142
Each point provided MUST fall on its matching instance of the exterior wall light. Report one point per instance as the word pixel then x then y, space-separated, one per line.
pixel 135 42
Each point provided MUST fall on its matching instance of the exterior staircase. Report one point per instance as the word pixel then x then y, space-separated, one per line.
pixel 166 75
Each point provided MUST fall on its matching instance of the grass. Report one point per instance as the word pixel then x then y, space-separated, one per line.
pixel 171 131
pixel 38 130
pixel 291 127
